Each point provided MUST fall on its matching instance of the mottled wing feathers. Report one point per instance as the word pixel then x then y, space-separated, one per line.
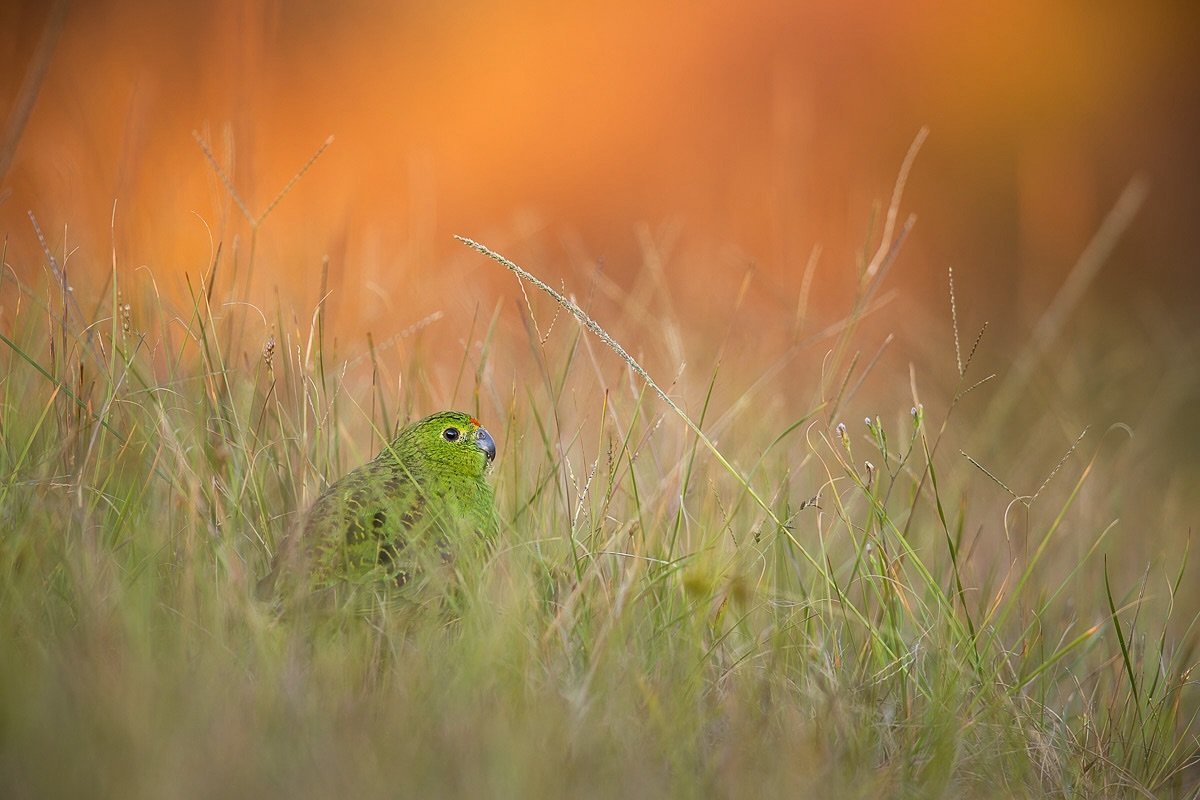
pixel 363 521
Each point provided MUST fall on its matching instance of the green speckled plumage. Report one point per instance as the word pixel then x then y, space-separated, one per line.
pixel 423 500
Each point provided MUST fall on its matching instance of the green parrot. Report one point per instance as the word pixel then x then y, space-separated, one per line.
pixel 423 501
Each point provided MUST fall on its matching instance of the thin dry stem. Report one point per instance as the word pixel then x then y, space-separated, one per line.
pixel 592 326
pixel 288 186
pixel 889 226
pixel 954 323
pixel 226 181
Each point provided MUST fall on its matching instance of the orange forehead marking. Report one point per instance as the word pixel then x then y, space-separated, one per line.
pixel 476 422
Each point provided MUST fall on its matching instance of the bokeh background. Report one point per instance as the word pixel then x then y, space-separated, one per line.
pixel 759 129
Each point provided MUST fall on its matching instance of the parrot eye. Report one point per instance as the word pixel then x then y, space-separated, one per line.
pixel 450 434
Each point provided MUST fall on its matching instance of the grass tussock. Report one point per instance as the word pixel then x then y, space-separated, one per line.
pixel 732 593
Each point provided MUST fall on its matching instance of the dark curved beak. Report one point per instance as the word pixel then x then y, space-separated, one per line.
pixel 484 441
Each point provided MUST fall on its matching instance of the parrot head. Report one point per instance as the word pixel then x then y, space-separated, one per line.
pixel 453 441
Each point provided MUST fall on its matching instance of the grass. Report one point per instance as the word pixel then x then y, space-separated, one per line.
pixel 729 593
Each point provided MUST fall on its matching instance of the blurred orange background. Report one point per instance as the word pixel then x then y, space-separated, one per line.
pixel 757 131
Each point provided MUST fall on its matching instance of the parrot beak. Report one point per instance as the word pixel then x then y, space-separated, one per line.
pixel 484 441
